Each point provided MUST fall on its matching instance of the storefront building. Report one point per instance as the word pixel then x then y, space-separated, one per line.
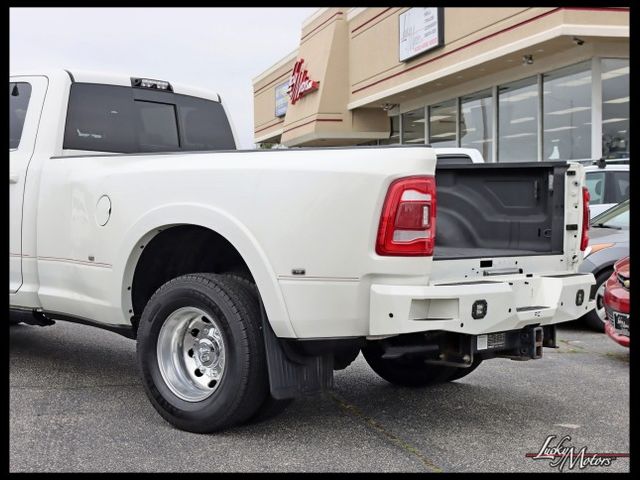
pixel 518 84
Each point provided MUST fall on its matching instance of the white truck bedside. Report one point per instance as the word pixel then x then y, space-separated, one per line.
pixel 248 277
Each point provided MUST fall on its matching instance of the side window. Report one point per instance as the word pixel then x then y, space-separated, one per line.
pixel 595 184
pixel 204 124
pixel 618 187
pixel 158 128
pixel 19 95
pixel 100 118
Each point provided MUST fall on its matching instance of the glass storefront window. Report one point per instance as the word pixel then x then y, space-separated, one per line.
pixel 567 113
pixel 394 136
pixel 518 121
pixel 413 126
pixel 615 108
pixel 476 122
pixel 442 124
pixel 566 106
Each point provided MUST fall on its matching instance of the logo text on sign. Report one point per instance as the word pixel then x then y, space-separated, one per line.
pixel 299 83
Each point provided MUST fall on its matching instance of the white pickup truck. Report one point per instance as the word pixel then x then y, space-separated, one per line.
pixel 248 277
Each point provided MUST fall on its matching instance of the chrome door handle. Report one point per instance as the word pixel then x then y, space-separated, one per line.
pixel 13 177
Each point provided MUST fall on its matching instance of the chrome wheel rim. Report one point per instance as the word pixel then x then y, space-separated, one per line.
pixel 191 354
pixel 600 303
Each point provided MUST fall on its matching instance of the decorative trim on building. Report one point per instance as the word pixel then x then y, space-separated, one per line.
pixel 268 136
pixel 323 24
pixel 268 126
pixel 315 15
pixel 281 63
pixel 312 121
pixel 486 37
pixel 560 30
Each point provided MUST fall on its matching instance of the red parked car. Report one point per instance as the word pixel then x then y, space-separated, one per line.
pixel 616 302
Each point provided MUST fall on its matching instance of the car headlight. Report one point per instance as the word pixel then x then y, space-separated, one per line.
pixel 591 249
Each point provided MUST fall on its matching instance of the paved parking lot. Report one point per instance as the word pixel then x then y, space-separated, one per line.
pixel 76 404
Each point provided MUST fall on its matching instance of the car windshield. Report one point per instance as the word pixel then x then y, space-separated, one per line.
pixel 615 217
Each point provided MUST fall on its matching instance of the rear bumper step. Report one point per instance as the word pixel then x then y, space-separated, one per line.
pixel 509 303
pixel 526 309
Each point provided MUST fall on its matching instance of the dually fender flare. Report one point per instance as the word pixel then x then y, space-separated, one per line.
pixel 153 221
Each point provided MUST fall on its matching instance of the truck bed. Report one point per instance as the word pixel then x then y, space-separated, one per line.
pixel 497 210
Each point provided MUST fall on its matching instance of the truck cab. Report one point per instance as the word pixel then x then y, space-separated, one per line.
pixel 87 113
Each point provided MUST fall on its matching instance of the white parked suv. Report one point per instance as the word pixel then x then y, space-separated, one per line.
pixel 608 184
pixel 247 277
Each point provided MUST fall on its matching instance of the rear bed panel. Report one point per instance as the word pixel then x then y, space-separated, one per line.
pixel 495 210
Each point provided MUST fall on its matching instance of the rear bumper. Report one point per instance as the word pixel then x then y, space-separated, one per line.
pixel 616 336
pixel 616 302
pixel 499 304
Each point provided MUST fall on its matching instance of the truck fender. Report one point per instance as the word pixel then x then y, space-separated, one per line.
pixel 154 221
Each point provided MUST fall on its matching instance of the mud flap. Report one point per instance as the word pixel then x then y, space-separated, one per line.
pixel 293 375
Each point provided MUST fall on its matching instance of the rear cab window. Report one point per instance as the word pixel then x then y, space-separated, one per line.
pixel 19 95
pixel 120 119
pixel 158 126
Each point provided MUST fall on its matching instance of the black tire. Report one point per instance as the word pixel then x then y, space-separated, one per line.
pixel 270 407
pixel 463 372
pixel 408 372
pixel 592 319
pixel 244 385
pixel 14 318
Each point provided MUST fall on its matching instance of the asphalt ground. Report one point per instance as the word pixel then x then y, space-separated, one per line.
pixel 77 404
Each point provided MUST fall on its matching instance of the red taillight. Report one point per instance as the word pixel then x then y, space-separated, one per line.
pixel 585 219
pixel 408 220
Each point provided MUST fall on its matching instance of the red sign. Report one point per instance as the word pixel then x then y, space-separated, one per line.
pixel 299 83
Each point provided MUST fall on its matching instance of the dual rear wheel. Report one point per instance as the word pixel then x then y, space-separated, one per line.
pixel 201 353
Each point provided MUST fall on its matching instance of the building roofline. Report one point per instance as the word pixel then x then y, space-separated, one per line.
pixel 283 61
pixel 314 16
pixel 353 12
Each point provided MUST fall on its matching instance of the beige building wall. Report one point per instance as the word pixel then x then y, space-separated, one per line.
pixel 353 53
